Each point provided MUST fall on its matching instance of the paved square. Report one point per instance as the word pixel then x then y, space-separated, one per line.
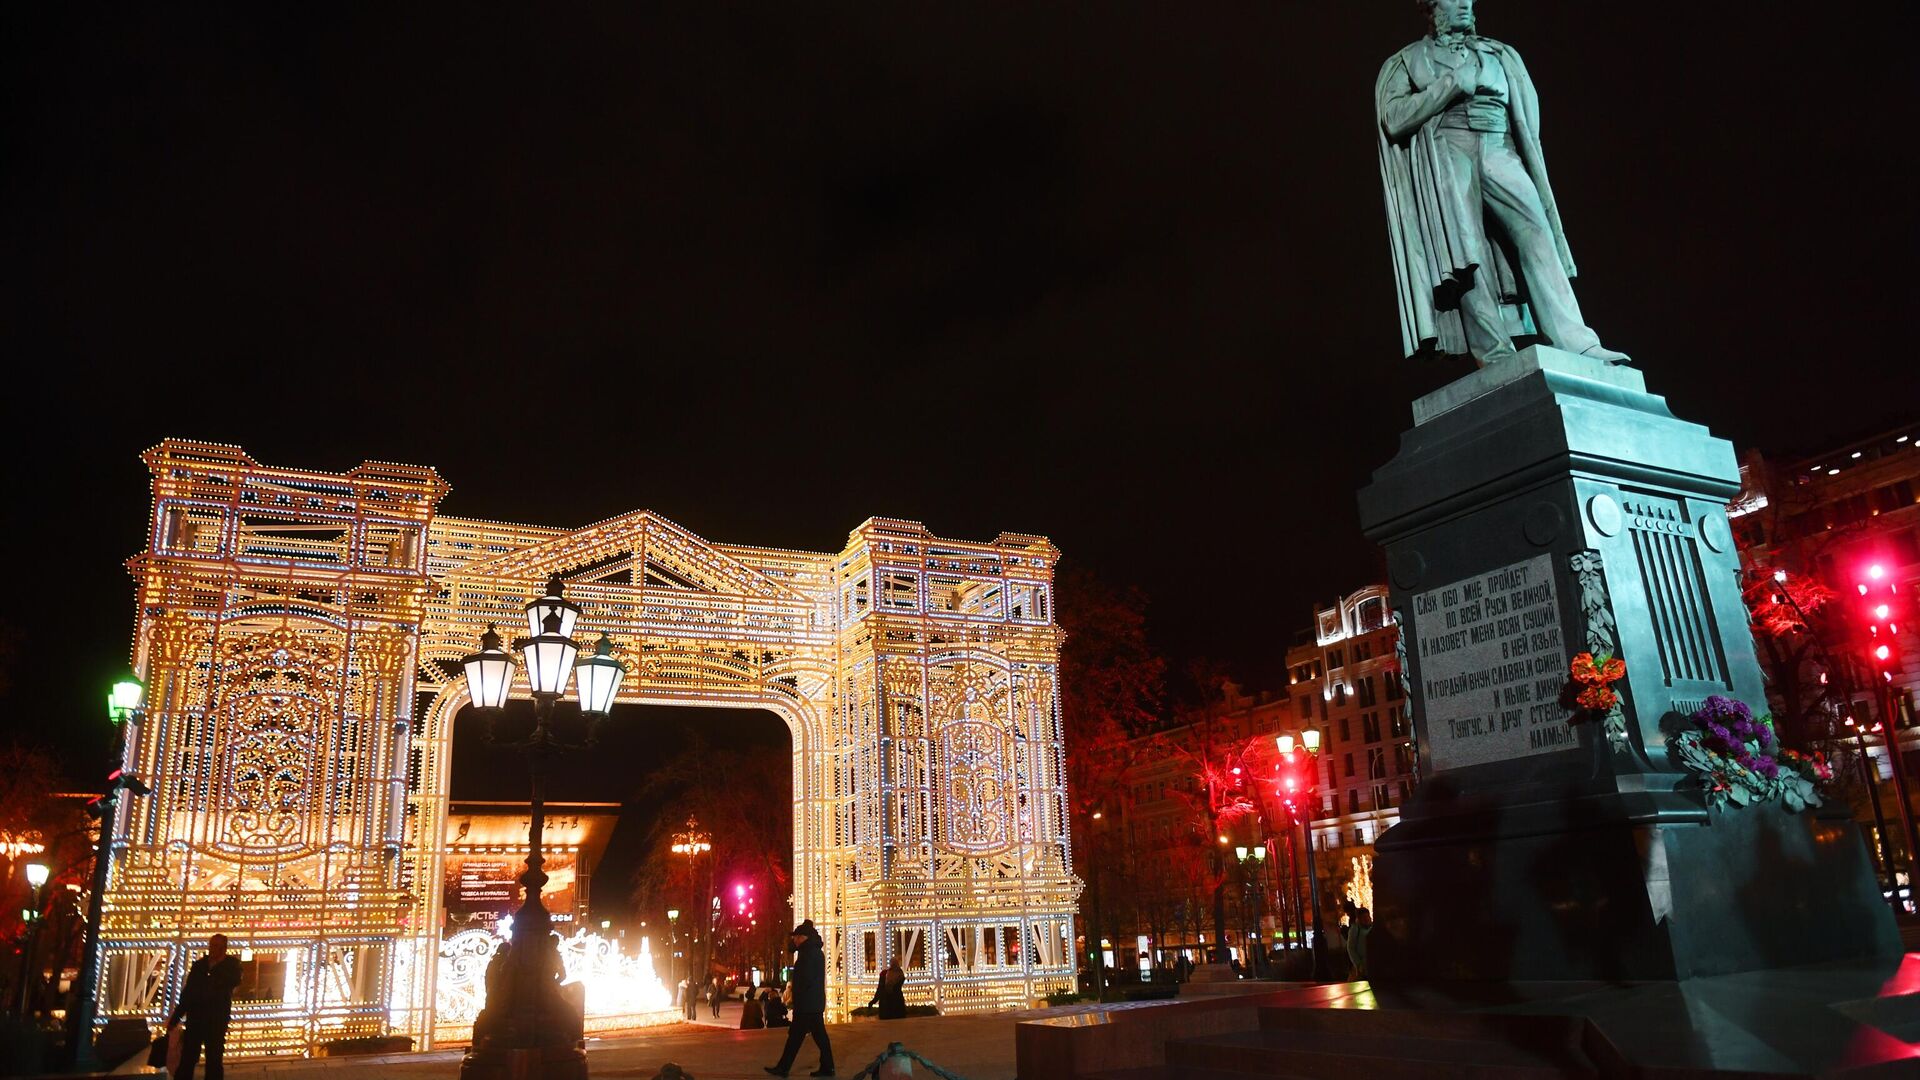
pixel 975 1047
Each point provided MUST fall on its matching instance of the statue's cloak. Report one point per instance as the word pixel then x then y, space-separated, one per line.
pixel 1431 263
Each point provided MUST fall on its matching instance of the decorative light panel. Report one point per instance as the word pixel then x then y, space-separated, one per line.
pixel 306 643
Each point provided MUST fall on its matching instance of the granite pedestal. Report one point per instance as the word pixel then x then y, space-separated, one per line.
pixel 1538 509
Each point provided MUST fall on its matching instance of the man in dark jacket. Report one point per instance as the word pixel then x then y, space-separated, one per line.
pixel 809 1002
pixel 207 1002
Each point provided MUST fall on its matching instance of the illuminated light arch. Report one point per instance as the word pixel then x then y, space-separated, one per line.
pixel 299 634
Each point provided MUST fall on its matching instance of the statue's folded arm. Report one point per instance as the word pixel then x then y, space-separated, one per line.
pixel 1402 108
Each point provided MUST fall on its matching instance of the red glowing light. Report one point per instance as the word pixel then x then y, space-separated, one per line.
pixel 1876 571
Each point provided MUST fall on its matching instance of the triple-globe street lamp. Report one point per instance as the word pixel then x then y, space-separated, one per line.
pixel 528 1027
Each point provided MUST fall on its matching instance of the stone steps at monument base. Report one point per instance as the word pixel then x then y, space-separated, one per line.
pixel 1377 1056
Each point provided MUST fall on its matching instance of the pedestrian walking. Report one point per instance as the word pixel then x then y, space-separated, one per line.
pixel 715 991
pixel 206 1004
pixel 890 995
pixel 809 986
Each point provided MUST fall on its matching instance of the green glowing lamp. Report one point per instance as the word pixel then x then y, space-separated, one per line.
pixel 125 698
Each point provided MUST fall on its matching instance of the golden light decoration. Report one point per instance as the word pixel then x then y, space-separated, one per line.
pixel 300 636
pixel 1360 886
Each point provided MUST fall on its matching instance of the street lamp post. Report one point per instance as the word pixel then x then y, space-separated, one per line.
pixel 124 702
pixel 528 1027
pixel 37 874
pixel 1297 795
pixel 693 843
pixel 673 965
pixel 1256 960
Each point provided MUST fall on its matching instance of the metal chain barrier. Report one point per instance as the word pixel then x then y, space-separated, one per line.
pixel 894 1050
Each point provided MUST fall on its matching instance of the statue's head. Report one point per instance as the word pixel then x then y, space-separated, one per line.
pixel 1448 16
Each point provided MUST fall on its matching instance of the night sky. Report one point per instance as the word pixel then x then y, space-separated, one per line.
pixel 1112 273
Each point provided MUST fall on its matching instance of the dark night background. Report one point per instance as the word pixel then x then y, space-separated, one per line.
pixel 1113 273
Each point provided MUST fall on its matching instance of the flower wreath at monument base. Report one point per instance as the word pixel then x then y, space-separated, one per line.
pixel 1734 757
pixel 1737 759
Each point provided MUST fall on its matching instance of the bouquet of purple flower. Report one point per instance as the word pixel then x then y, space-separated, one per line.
pixel 1732 753
pixel 1731 729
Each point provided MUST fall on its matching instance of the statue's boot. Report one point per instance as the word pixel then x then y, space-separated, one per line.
pixel 1601 352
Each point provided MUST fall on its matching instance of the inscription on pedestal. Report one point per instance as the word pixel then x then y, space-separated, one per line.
pixel 1493 660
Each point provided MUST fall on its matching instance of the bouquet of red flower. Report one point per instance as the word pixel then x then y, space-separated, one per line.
pixel 1595 679
pixel 1813 766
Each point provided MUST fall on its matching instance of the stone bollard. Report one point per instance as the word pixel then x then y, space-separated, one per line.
pixel 898 1066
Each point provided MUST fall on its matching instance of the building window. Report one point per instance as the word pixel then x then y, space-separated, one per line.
pixel 1353 804
pixel 1392 679
pixel 1382 800
pixel 1336 658
pixel 1397 721
pixel 1372 615
pixel 1346 730
pixel 1349 764
pixel 1370 727
pixel 1364 688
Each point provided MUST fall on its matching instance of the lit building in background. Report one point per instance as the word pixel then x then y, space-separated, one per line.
pixel 487 851
pixel 1169 913
pixel 1830 514
pixel 1844 517
pixel 1344 678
